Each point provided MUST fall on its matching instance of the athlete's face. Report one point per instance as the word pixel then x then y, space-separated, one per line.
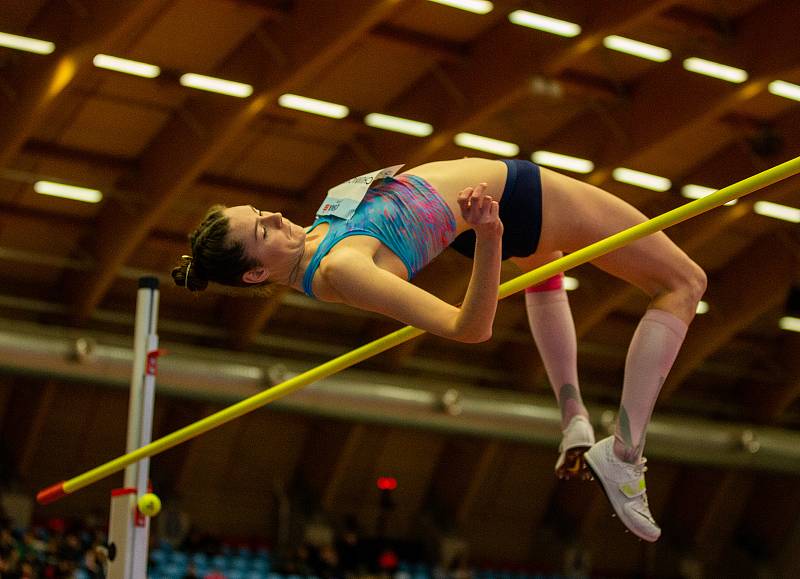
pixel 268 238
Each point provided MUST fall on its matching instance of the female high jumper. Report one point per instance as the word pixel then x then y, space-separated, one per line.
pixel 364 247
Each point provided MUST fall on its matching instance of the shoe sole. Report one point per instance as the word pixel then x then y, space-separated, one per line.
pixel 574 465
pixel 617 514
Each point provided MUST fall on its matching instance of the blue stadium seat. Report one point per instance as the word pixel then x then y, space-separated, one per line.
pixel 158 557
pixel 238 562
pixel 178 558
pixel 200 559
pixel 173 569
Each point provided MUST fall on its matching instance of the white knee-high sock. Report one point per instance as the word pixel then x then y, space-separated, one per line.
pixel 652 352
pixel 553 330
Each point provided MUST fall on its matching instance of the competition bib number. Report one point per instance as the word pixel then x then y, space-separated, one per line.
pixel 343 199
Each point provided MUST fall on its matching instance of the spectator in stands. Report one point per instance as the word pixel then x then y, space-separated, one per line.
pixel 328 562
pixel 348 546
pixel 92 566
pixel 191 572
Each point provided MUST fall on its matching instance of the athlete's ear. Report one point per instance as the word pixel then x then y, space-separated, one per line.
pixel 255 275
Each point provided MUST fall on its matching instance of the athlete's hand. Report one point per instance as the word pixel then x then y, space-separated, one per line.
pixel 480 210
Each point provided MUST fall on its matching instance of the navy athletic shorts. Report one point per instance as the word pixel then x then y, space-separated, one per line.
pixel 520 212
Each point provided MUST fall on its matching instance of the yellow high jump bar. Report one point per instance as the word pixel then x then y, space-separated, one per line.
pixel 663 221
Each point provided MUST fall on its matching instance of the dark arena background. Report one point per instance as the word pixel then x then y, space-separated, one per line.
pixel 433 459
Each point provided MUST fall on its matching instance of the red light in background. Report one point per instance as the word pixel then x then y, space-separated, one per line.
pixel 387 483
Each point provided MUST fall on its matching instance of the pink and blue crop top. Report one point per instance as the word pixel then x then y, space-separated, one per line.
pixel 405 213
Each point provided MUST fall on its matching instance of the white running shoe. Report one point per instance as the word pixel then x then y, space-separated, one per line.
pixel 578 438
pixel 624 486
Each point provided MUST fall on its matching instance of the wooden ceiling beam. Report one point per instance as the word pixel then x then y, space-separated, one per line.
pixel 167 470
pixel 770 404
pixel 205 461
pixel 34 82
pixel 6 391
pixel 466 465
pixel 327 451
pixel 722 515
pixel 441 50
pixel 483 469
pixel 36 427
pixel 787 545
pixel 247 316
pixel 24 419
pixel 755 282
pixel 694 101
pixel 499 71
pixel 342 464
pixel 608 18
pixel 56 219
pixel 264 192
pixel 179 154
pixel 697 23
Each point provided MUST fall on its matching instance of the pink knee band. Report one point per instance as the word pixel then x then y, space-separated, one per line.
pixel 548 285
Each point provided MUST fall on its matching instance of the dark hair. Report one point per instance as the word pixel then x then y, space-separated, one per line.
pixel 214 257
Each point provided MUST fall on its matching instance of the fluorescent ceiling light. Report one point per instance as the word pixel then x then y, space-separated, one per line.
pixel 313 106
pixel 636 48
pixel 699 191
pixel 789 323
pixel 398 124
pixel 219 85
pixel 644 180
pixel 26 44
pixel 544 23
pixel 502 148
pixel 570 283
pixel 785 89
pixel 476 6
pixel 720 71
pixel 777 211
pixel 67 191
pixel 559 161
pixel 702 307
pixel 127 66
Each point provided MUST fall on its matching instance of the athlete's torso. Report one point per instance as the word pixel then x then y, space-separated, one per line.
pixel 403 215
pixel 449 178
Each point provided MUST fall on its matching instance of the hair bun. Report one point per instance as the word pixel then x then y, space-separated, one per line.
pixel 185 274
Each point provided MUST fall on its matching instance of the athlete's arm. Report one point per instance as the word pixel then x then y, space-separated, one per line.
pixel 361 283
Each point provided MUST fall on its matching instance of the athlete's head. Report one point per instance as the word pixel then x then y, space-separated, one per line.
pixel 240 247
pixel 215 256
